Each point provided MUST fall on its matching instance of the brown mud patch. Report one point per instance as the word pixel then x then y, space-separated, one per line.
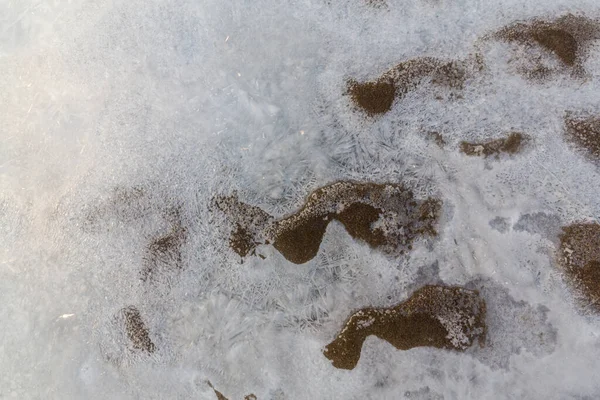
pixel 373 97
pixel 579 257
pixel 512 144
pixel 435 316
pixel 385 216
pixel 164 253
pixel 567 38
pixel 584 132
pixel 377 97
pixel 136 330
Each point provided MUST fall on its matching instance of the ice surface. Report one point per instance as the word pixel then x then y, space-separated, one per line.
pixel 122 120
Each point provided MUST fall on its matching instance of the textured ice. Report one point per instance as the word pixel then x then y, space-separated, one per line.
pixel 122 120
pixel 500 224
pixel 541 223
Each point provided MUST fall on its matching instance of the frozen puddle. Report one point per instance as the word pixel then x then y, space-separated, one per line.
pixel 313 199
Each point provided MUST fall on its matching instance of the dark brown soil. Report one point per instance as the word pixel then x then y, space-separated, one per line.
pixel 558 41
pixel 585 133
pixel 358 219
pixel 436 316
pixel 373 97
pixel 136 330
pixel 377 97
pixel 300 242
pixel 580 258
pixel 567 38
pixel 511 144
pixel 385 216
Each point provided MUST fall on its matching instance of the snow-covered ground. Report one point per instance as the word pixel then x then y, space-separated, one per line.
pixel 121 120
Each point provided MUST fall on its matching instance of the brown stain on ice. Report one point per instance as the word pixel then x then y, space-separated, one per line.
pixel 242 241
pixel 250 223
pixel 164 252
pixel 424 393
pixel 511 144
pixel 377 97
pixel 122 203
pixel 584 132
pixel 377 3
pixel 221 396
pixel 136 330
pixel 567 38
pixel 435 316
pixel 579 258
pixel 385 216
pixel 437 138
